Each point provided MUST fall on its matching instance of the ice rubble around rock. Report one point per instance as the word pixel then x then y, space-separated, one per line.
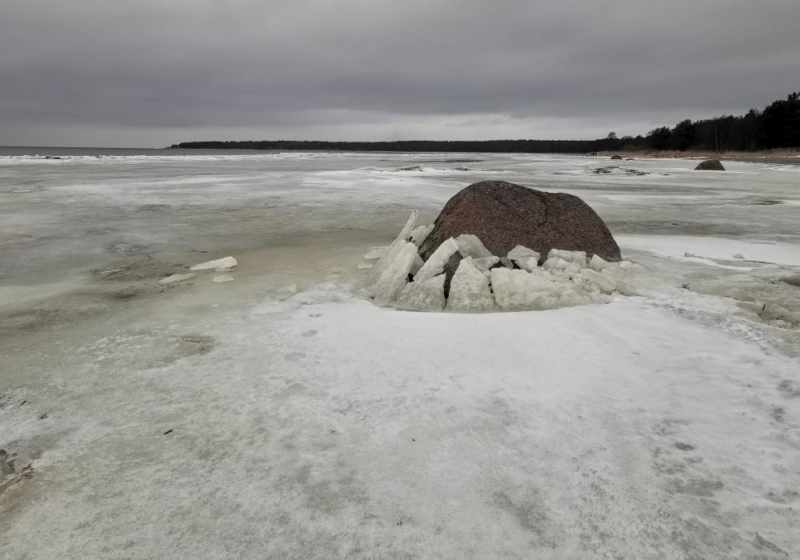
pixel 484 282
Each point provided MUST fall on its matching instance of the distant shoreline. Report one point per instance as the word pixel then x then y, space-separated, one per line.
pixel 782 156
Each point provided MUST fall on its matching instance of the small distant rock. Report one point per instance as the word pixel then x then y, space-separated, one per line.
pixel 616 156
pixel 710 165
pixel 177 278
pixel 738 256
pixel 219 265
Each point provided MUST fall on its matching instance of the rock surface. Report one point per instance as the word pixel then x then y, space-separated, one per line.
pixel 710 165
pixel 503 215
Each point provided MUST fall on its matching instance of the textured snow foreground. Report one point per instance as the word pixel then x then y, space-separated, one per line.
pixel 323 426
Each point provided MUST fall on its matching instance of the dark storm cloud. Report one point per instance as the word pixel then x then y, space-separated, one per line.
pixel 147 69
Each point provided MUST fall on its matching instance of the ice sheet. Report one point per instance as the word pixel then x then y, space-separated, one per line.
pixel 676 246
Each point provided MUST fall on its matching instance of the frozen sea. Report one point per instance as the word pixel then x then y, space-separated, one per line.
pixel 281 415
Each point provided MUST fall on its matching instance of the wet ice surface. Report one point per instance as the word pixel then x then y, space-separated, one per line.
pixel 280 416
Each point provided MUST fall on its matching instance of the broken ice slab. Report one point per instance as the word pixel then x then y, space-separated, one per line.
pixel 470 246
pixel 521 252
pixel 364 266
pixel 177 278
pixel 469 290
pixel 420 234
pixel 604 283
pixel 486 263
pixel 517 290
pixel 598 264
pixel 626 289
pixel 555 264
pixel 528 263
pixel 219 265
pixel 405 233
pixel 437 261
pixel 394 272
pixel 221 278
pixel 393 249
pixel 578 257
pixel 418 264
pixel 423 296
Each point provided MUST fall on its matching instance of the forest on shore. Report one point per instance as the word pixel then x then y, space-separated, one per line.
pixel 776 126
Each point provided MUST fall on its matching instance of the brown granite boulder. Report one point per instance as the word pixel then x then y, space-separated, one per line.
pixel 504 215
pixel 710 165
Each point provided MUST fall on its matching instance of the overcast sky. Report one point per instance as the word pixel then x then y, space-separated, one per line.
pixel 148 73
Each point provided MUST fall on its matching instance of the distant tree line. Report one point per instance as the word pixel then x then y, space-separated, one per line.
pixel 777 126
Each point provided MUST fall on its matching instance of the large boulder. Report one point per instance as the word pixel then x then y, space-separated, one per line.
pixel 710 165
pixel 503 215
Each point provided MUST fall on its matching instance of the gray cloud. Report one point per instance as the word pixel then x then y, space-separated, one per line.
pixel 152 72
